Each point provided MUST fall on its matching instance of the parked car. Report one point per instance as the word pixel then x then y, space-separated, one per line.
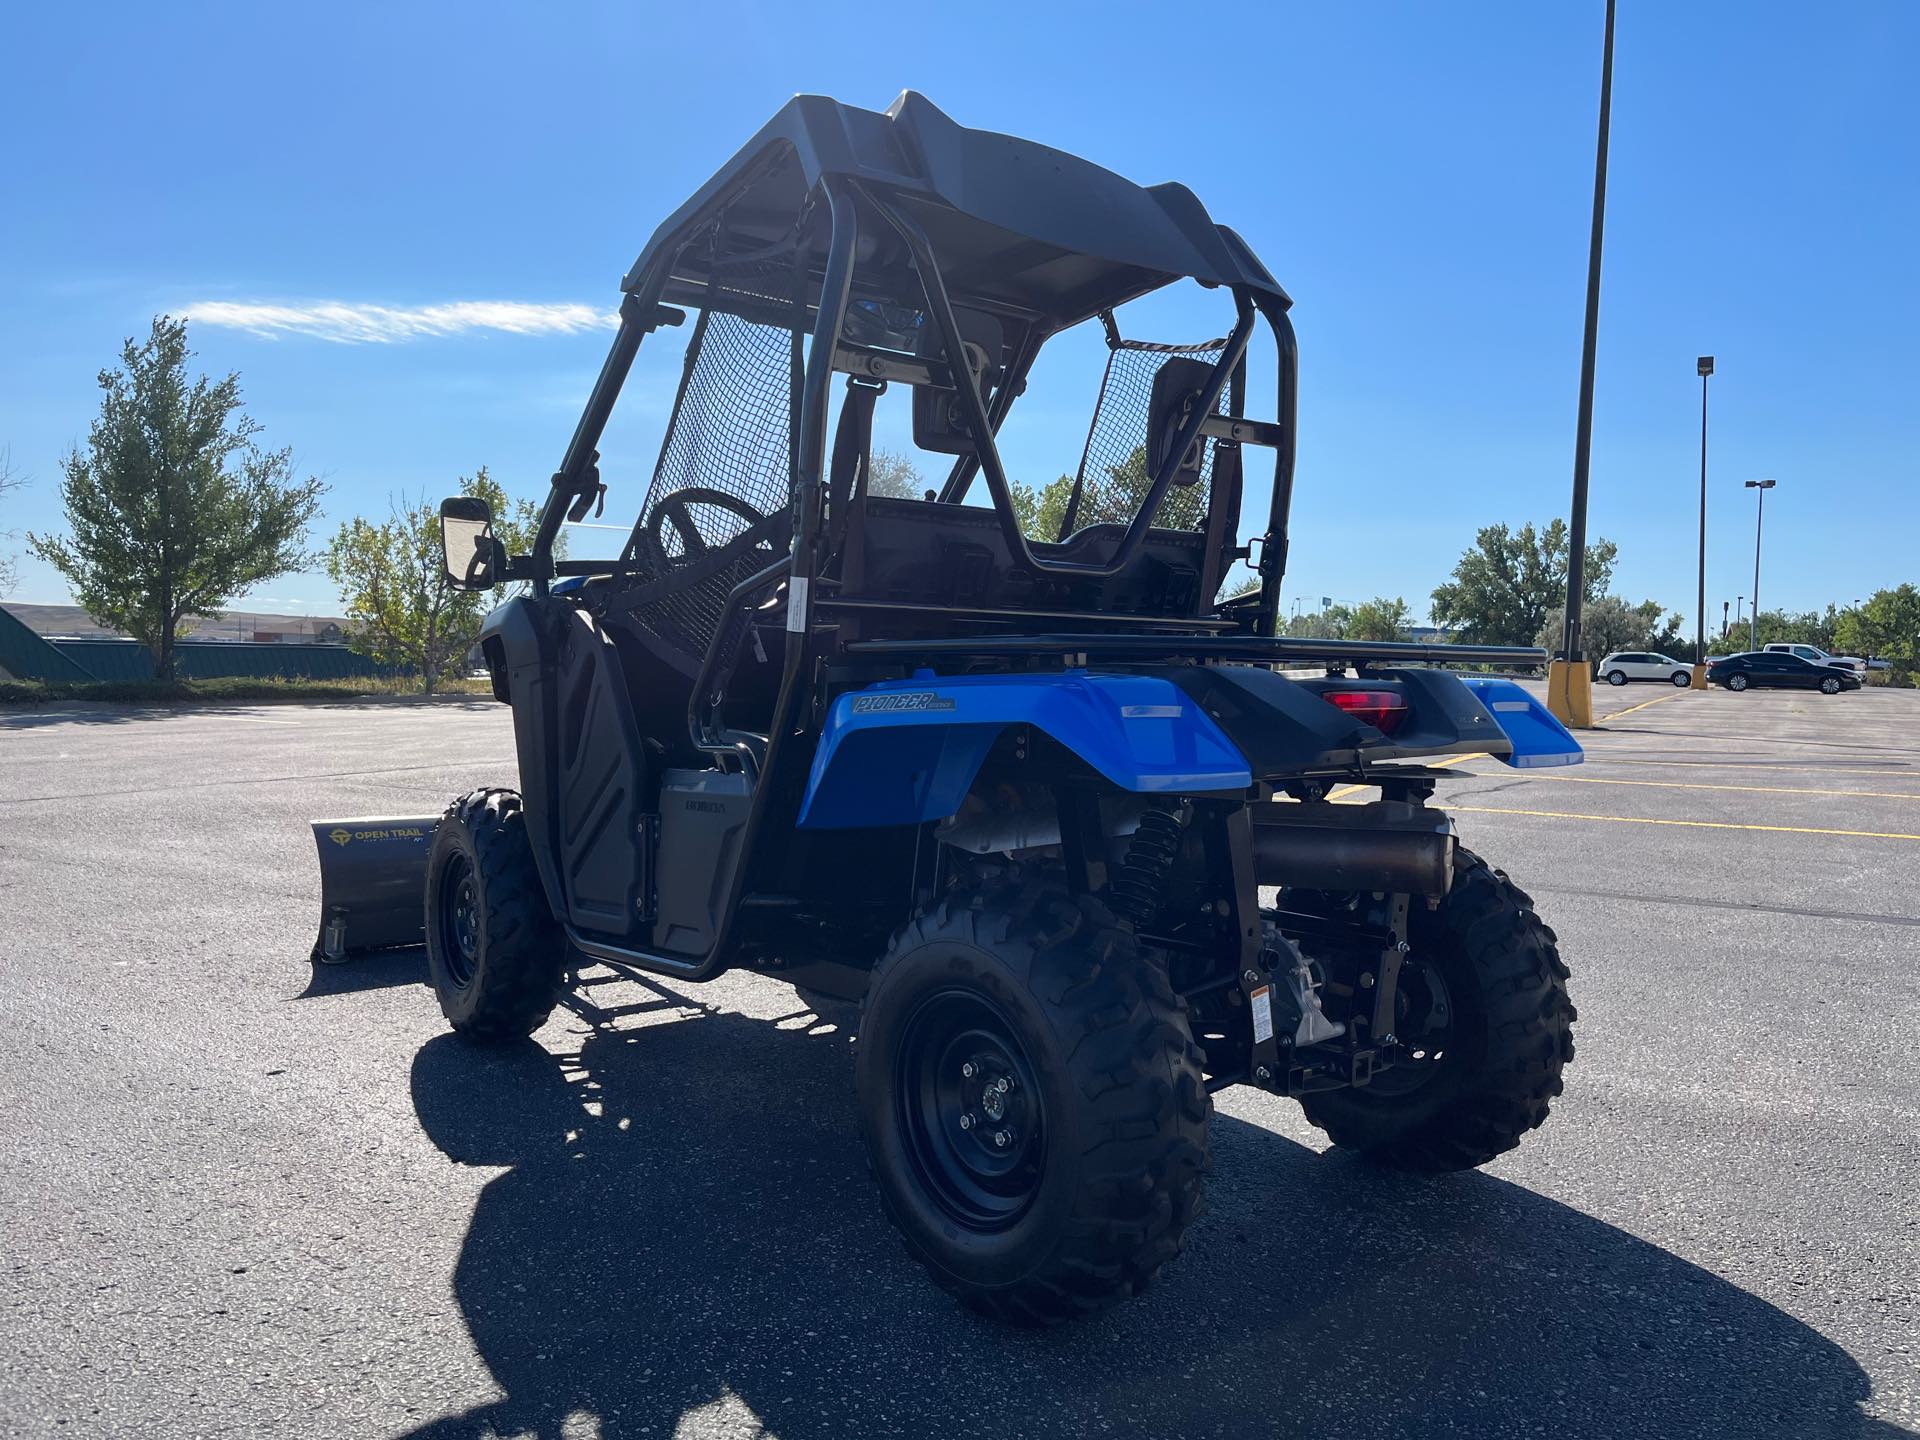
pixel 1758 668
pixel 1624 665
pixel 1815 654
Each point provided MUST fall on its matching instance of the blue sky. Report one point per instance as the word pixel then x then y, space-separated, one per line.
pixel 1417 176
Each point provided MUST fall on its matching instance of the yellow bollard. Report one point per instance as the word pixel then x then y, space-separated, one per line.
pixel 1699 678
pixel 1570 693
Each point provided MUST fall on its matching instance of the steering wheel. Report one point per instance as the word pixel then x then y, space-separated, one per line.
pixel 676 509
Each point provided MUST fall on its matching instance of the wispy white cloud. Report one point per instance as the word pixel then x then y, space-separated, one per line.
pixel 346 323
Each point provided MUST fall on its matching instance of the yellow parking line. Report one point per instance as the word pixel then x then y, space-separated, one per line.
pixel 1690 824
pixel 1673 694
pixel 1340 792
pixel 1745 789
pixel 1761 768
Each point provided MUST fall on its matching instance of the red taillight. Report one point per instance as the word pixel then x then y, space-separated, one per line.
pixel 1382 709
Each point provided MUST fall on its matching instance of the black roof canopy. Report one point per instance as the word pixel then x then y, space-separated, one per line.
pixel 1014 223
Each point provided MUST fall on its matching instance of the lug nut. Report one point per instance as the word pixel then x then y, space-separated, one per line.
pixel 966 1070
pixel 966 1122
pixel 1003 1084
pixel 1002 1139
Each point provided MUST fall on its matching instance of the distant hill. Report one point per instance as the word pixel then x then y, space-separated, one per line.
pixel 234 625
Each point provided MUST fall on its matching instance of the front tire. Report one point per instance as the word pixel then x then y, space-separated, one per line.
pixel 494 954
pixel 1616 677
pixel 1497 1032
pixel 1681 679
pixel 1830 685
pixel 1032 1102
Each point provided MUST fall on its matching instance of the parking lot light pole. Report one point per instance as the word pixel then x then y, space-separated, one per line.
pixel 1705 367
pixel 1570 678
pixel 1759 519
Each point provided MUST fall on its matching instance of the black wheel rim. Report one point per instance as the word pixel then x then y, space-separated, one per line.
pixel 970 1111
pixel 1424 1022
pixel 458 920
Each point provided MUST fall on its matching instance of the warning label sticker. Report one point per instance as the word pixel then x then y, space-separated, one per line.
pixel 1262 1002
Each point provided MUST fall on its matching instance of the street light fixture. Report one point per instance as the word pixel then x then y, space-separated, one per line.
pixel 1704 365
pixel 1753 616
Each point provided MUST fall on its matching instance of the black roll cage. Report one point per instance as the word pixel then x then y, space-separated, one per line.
pixel 577 483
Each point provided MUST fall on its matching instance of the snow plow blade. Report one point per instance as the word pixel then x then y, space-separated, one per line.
pixel 373 875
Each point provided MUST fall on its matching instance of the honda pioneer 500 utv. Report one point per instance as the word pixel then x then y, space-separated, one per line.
pixel 1046 805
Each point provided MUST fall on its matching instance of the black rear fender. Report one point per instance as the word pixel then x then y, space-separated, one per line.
pixel 1286 727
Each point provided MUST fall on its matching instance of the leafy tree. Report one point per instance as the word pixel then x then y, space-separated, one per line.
pixel 1041 511
pixel 1610 623
pixel 1379 619
pixel 9 572
pixel 1887 627
pixel 1773 627
pixel 1328 624
pixel 894 474
pixel 1184 507
pixel 392 577
pixel 173 507
pixel 1509 582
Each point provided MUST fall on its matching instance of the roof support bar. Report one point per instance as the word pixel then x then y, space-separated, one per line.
pixel 974 411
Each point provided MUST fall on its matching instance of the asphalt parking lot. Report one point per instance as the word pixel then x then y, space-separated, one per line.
pixel 239 1197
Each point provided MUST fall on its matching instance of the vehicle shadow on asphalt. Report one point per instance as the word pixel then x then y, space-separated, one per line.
pixel 687 1231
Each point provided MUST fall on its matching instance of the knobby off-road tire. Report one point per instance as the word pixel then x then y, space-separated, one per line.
pixel 1508 1035
pixel 1105 1108
pixel 494 953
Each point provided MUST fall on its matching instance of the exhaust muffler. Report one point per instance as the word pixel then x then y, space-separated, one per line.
pixel 1388 845
pixel 373 877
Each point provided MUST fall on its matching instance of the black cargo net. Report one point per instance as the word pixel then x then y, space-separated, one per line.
pixel 724 466
pixel 1113 478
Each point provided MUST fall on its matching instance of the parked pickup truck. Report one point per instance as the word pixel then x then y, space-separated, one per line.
pixel 1818 656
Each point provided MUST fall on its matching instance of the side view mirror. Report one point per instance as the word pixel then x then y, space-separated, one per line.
pixel 472 558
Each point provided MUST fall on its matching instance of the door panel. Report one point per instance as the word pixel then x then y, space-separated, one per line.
pixel 602 791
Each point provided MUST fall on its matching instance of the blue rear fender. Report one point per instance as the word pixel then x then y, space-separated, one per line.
pixel 906 751
pixel 902 752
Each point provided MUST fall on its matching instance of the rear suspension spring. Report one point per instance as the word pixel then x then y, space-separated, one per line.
pixel 1141 881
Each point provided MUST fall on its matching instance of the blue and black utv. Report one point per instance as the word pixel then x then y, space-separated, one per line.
pixel 1055 808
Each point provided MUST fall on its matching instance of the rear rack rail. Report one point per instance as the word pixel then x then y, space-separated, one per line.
pixel 1258 648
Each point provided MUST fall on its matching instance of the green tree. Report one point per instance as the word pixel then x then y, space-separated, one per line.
pixel 1379 619
pixel 1610 623
pixel 392 578
pixel 1041 511
pixel 1328 624
pixel 891 473
pixel 1774 627
pixel 1886 626
pixel 174 510
pixel 1508 583
pixel 1184 507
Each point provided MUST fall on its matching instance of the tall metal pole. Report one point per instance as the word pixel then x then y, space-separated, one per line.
pixel 1759 520
pixel 1570 648
pixel 1705 367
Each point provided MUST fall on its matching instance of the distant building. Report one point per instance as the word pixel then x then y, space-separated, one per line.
pixel 70 622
